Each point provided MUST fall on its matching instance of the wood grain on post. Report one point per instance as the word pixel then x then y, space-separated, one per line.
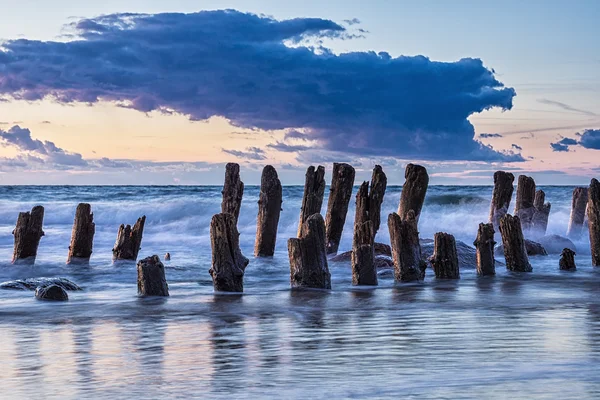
pixel 444 259
pixel 406 249
pixel 28 233
pixel 82 235
pixel 486 264
pixel 340 192
pixel 593 210
pixel 269 209
pixel 364 271
pixel 376 194
pixel 308 257
pixel 151 279
pixel 228 262
pixel 503 190
pixel 129 241
pixel 524 204
pixel 567 260
pixel 539 220
pixel 577 218
pixel 314 189
pixel 513 242
pixel 233 191
pixel 413 191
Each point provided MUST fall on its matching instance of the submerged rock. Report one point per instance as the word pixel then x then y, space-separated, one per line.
pixel 382 262
pixel 51 292
pixel 555 244
pixel 532 248
pixel 380 249
pixel 33 283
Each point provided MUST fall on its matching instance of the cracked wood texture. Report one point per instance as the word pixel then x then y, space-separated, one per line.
pixel 486 264
pixel 129 241
pixel 233 191
pixel 406 249
pixel 314 189
pixel 82 235
pixel 577 217
pixel 269 210
pixel 228 262
pixel 151 279
pixel 413 191
pixel 513 242
pixel 364 271
pixel 593 210
pixel 308 257
pixel 444 260
pixel 27 235
pixel 524 203
pixel 342 181
pixel 503 190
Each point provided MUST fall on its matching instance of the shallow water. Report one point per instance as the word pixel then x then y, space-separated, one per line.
pixel 531 335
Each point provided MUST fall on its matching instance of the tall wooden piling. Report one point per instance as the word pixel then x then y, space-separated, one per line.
pixel 27 235
pixel 376 195
pixel 406 249
pixel 129 241
pixel 501 196
pixel 539 220
pixel 486 264
pixel 228 262
pixel 514 244
pixel 444 259
pixel 308 257
pixel 233 191
pixel 593 210
pixel 314 189
pixel 524 204
pixel 151 279
pixel 269 209
pixel 364 271
pixel 82 235
pixel 340 193
pixel 413 191
pixel 577 217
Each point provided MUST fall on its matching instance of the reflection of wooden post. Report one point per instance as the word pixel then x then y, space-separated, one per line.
pixel 233 191
pixel 269 208
pixel 151 277
pixel 364 271
pixel 28 233
pixel 539 220
pixel 503 190
pixel 129 241
pixel 312 200
pixel 406 250
pixel 567 260
pixel 82 236
pixel 576 220
pixel 444 259
pixel 340 193
pixel 413 191
pixel 486 264
pixel 308 258
pixel 593 210
pixel 514 244
pixel 524 208
pixel 228 262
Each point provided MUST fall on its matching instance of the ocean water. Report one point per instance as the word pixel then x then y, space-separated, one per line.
pixel 533 335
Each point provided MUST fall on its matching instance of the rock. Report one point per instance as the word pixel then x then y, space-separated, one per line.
pixel 32 283
pixel 532 248
pixel 383 262
pixel 379 249
pixel 554 244
pixel 51 292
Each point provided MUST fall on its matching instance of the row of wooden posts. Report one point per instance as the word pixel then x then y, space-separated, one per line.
pixel 317 237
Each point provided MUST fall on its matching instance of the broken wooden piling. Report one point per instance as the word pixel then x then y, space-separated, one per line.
pixel 228 262
pixel 501 196
pixel 151 279
pixel 514 244
pixel 233 191
pixel 376 195
pixel 413 191
pixel 82 235
pixel 27 235
pixel 593 212
pixel 406 249
pixel 269 209
pixel 312 199
pixel 340 192
pixel 577 217
pixel 539 220
pixel 567 260
pixel 444 259
pixel 486 264
pixel 524 204
pixel 364 271
pixel 308 257
pixel 129 241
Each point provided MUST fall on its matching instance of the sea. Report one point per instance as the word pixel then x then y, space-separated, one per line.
pixel 515 335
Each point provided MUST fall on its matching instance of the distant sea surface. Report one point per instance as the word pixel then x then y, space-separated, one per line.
pixel 521 336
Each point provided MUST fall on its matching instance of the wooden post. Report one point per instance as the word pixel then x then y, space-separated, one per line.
pixel 308 258
pixel 233 190
pixel 539 220
pixel 82 235
pixel 567 260
pixel 363 267
pixel 129 241
pixel 577 218
pixel 312 200
pixel 486 264
pixel 593 210
pixel 413 191
pixel 228 262
pixel 514 244
pixel 167 256
pixel 503 190
pixel 376 194
pixel 340 193
pixel 406 249
pixel 151 279
pixel 269 209
pixel 524 205
pixel 28 233
pixel 444 259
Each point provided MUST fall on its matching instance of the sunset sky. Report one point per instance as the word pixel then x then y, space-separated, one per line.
pixel 156 92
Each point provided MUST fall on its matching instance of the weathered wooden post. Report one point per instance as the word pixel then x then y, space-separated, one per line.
pixel 167 256
pixel 364 271
pixel 340 193
pixel 413 191
pixel 593 210
pixel 524 204
pixel 82 235
pixel 514 244
pixel 486 264
pixel 151 279
pixel 129 241
pixel 312 200
pixel 269 209
pixel 406 249
pixel 308 257
pixel 228 262
pixel 233 190
pixel 503 190
pixel 577 218
pixel 567 260
pixel 444 259
pixel 539 220
pixel 28 233
pixel 376 194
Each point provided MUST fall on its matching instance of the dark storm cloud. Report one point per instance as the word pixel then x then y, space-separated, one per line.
pixel 588 139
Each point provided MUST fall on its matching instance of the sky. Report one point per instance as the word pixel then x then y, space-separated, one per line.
pixel 157 92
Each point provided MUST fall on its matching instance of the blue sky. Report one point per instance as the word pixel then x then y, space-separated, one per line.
pixel 547 51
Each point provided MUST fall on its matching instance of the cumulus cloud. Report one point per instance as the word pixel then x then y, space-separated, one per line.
pixel 588 139
pixel 251 153
pixel 240 66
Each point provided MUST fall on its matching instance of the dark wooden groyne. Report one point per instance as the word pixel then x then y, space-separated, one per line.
pixel 269 209
pixel 129 241
pixel 340 192
pixel 82 236
pixel 28 233
pixel 501 196
pixel 312 199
